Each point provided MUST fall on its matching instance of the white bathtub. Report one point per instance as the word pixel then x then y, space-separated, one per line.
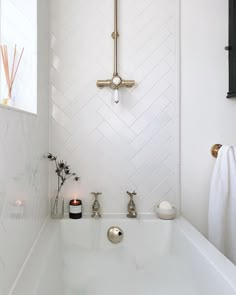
pixel 74 257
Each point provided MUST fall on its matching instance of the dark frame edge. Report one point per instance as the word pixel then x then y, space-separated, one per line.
pixel 231 94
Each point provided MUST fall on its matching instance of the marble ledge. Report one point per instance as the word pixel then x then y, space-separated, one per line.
pixel 115 216
pixel 14 109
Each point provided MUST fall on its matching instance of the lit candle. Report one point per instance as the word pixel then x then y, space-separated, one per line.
pixel 75 209
pixel 17 209
pixel 19 202
pixel 75 201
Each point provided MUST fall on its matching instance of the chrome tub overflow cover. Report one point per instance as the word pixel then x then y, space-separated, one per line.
pixel 115 234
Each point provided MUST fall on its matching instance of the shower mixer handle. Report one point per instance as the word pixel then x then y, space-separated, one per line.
pixel 110 83
pixel 128 83
pixel 131 194
pixel 103 83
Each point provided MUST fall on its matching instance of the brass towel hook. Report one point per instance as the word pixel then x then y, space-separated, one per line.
pixel 215 149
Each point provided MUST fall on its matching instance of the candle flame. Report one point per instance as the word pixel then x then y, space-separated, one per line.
pixel 18 202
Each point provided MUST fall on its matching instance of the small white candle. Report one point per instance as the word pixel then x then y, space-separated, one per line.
pixel 17 209
pixel 165 205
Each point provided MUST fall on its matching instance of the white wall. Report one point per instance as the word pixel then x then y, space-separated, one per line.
pixel 133 145
pixel 23 171
pixel 207 117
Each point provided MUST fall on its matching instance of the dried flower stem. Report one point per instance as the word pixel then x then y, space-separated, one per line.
pixel 63 174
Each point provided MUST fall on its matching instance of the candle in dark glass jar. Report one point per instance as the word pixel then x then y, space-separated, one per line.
pixel 75 209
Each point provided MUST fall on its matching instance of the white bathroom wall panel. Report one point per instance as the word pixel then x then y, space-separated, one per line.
pixel 207 117
pixel 132 145
pixel 23 170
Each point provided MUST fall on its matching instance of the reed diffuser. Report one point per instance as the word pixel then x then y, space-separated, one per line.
pixel 10 71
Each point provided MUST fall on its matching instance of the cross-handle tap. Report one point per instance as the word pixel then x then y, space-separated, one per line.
pixel 96 208
pixel 131 205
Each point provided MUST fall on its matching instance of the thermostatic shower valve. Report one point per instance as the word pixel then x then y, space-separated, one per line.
pixel 116 81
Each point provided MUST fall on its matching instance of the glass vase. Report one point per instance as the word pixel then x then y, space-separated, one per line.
pixel 57 208
pixel 8 101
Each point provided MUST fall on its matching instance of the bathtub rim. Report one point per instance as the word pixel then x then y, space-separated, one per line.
pixel 213 256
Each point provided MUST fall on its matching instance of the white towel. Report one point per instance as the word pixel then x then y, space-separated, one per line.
pixel 222 203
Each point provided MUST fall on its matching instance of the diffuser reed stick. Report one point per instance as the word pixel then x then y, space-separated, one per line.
pixel 10 72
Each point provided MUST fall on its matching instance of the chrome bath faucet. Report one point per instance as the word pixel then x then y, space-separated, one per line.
pixel 131 205
pixel 96 208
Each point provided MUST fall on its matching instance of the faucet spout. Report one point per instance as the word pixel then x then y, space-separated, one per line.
pixel 96 208
pixel 132 213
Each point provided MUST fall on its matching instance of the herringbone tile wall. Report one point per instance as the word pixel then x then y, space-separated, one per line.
pixel 133 145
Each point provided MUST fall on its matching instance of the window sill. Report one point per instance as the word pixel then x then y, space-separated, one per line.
pixel 11 108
